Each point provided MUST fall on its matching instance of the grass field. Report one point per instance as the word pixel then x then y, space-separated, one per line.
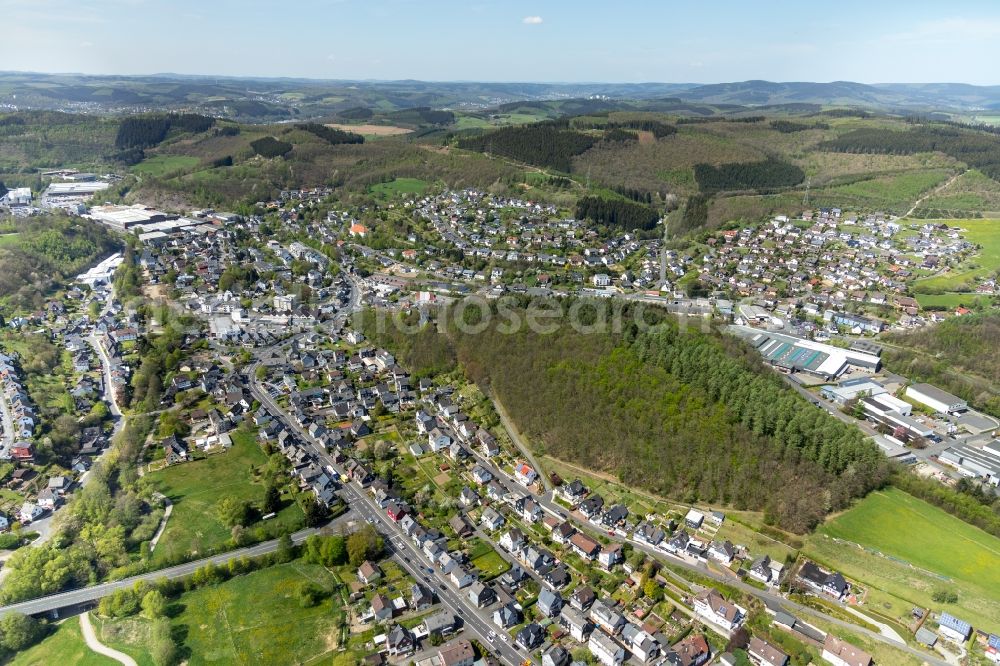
pixel 64 646
pixel 159 165
pixel 887 191
pixel 947 300
pixel 196 487
pixel 251 619
pixel 400 186
pixel 922 548
pixel 981 232
pixel 9 239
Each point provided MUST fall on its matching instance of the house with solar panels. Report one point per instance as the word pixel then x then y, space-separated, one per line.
pixel 953 628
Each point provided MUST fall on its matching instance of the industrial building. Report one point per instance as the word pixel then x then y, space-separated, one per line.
pixel 979 463
pixel 851 389
pixel 936 399
pixel 83 189
pixel 792 354
pixel 16 197
pixel 123 218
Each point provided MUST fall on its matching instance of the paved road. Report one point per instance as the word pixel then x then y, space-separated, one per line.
pixel 100 648
pixel 404 551
pixel 548 503
pixel 88 595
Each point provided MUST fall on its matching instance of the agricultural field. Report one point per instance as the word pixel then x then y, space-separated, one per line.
pixel 371 130
pixel 196 487
pixel 252 619
pixel 985 233
pixel 912 549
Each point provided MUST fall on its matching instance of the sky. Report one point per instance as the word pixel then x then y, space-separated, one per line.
pixel 874 41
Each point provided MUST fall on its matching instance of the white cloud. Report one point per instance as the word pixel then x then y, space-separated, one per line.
pixel 532 20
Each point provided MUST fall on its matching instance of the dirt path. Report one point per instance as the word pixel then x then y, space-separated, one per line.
pixel 932 193
pixel 100 648
pixel 515 436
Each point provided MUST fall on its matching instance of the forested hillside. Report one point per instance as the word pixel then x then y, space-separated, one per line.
pixel 961 355
pixel 686 414
pixel 541 144
pixel 46 250
pixel 977 148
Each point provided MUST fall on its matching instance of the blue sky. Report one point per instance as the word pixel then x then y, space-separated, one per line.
pixel 515 40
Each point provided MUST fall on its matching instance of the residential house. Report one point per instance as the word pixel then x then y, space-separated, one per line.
pixel 692 651
pixel 762 653
pixel 381 608
pixel 605 616
pixel 841 653
pixel 953 628
pixel 549 603
pixel 556 656
pixel 399 641
pixel 459 653
pixel 722 551
pixel 530 637
pixel 481 594
pixel 610 555
pixel 507 616
pixel 711 606
pixel 606 650
pixel 575 622
pixel 818 580
pixel 368 573
pixel 491 519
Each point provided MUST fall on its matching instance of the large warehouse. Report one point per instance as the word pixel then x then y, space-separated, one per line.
pixel 792 354
pixel 936 399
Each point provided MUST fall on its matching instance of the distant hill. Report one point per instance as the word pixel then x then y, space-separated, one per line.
pixel 269 99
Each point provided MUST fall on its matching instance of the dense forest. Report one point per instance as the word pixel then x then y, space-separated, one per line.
pixel 269 147
pixel 761 176
pixel 695 215
pixel 977 149
pixel 617 213
pixel 960 355
pixel 48 248
pixel 149 130
pixel 790 127
pixel 331 135
pixel 707 422
pixel 541 144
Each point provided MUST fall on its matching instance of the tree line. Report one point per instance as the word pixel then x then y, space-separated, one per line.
pixel 269 147
pixel 545 144
pixel 760 176
pixel 790 127
pixel 619 213
pixel 331 135
pixel 978 149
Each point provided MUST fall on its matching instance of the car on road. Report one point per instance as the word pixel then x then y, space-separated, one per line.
pixel 443 588
pixel 490 638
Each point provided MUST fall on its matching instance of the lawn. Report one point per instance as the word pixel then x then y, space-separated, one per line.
pixel 251 619
pixel 9 239
pixel 400 186
pixel 985 233
pixel 64 646
pixel 196 487
pixel 912 549
pixel 160 165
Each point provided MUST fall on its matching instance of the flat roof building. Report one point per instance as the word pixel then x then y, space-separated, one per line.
pixel 935 398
